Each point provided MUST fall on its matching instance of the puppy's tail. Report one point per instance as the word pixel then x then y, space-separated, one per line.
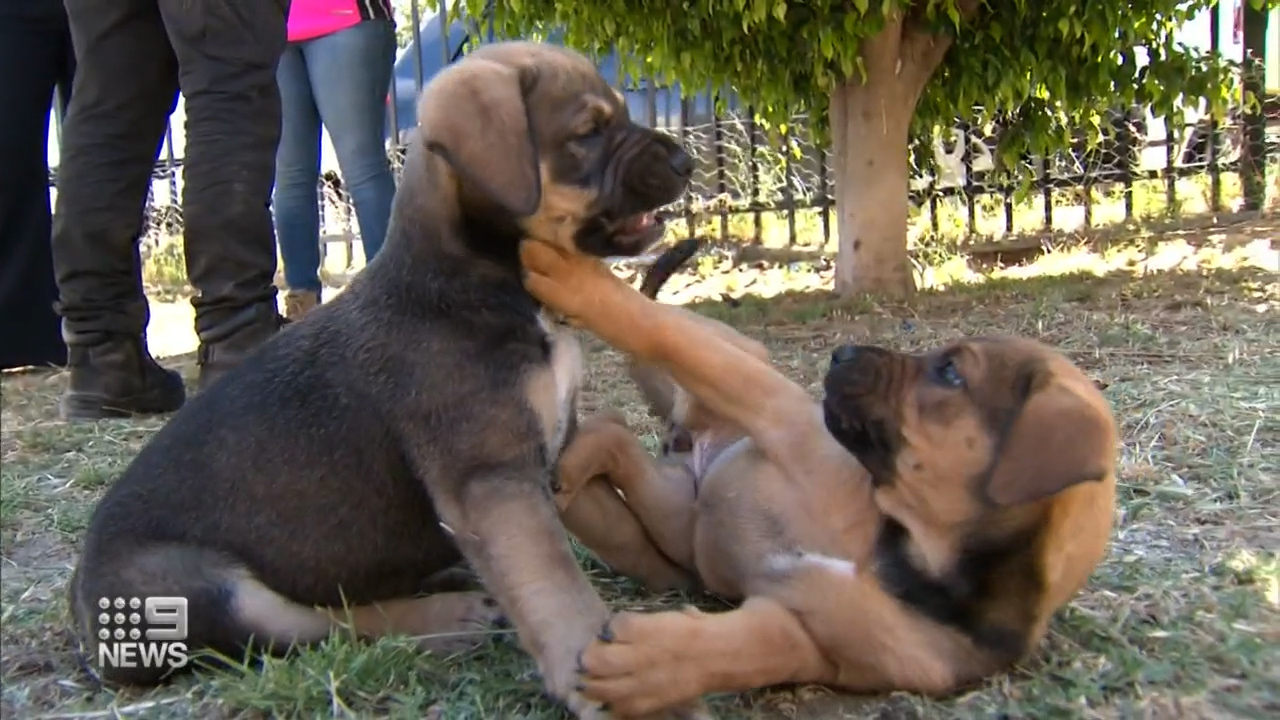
pixel 658 389
pixel 670 261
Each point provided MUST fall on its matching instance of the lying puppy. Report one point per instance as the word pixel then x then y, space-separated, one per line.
pixel 412 422
pixel 647 535
pixel 915 531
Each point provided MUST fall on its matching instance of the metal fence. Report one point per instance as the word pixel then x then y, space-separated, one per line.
pixel 777 188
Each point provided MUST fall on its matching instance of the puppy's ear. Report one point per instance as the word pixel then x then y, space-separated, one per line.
pixel 1059 439
pixel 473 115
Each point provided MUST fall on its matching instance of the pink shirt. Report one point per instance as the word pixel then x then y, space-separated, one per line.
pixel 310 19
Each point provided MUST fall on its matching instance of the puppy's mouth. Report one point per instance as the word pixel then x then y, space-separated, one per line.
pixel 638 232
pixel 867 438
pixel 850 429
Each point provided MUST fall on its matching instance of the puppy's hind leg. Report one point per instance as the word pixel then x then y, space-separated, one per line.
pixel 597 516
pixel 443 624
pixel 656 387
pixel 663 503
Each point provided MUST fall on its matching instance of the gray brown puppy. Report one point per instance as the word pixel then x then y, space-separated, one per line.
pixel 916 530
pixel 414 421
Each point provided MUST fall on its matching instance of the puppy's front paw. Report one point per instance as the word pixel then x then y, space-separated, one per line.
pixel 646 665
pixel 580 287
pixel 555 277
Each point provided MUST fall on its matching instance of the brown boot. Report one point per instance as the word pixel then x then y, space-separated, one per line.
pixel 299 302
pixel 225 345
pixel 115 376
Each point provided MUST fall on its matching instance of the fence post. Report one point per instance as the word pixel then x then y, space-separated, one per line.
pixel 1170 167
pixel 690 228
pixel 1253 150
pixel 1215 139
pixel 788 196
pixel 753 170
pixel 1046 191
pixel 824 188
pixel 1130 150
pixel 967 184
pixel 722 184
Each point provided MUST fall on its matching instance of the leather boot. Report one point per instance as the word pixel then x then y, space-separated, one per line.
pixel 227 344
pixel 114 376
pixel 299 302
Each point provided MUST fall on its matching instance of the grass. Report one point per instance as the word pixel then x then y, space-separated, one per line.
pixel 1181 621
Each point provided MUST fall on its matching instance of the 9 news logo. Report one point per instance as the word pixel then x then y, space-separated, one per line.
pixel 126 641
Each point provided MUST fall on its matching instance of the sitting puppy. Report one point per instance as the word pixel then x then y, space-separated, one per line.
pixel 414 421
pixel 914 531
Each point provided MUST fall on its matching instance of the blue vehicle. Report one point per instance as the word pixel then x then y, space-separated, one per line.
pixel 657 106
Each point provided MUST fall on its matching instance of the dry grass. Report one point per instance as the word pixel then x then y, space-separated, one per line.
pixel 1180 622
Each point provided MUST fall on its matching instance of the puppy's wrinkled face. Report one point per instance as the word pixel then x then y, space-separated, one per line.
pixel 956 435
pixel 603 175
pixel 542 146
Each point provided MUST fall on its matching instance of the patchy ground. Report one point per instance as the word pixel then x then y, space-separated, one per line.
pixel 1180 622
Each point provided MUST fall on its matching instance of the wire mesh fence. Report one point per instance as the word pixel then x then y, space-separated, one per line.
pixel 776 187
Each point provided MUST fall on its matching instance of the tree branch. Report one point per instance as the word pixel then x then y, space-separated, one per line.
pixel 880 52
pixel 922 49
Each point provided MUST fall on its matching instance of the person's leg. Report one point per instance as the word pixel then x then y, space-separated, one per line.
pixel 125 87
pixel 227 54
pixel 295 201
pixel 350 74
pixel 28 322
pixel 66 76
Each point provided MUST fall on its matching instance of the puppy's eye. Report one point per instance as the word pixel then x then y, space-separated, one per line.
pixel 946 373
pixel 592 133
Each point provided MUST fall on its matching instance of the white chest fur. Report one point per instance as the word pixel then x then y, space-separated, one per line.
pixel 553 390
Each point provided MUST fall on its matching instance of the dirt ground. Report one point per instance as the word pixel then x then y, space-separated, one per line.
pixel 1179 622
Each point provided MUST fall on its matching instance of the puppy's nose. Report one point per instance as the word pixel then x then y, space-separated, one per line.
pixel 844 354
pixel 681 163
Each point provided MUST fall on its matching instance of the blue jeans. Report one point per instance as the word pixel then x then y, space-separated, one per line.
pixel 340 80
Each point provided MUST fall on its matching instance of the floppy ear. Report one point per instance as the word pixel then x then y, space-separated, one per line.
pixel 473 115
pixel 1059 439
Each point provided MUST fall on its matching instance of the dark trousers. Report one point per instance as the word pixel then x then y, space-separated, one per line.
pixel 133 57
pixel 35 52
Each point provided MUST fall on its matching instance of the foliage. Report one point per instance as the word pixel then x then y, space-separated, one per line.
pixel 1037 68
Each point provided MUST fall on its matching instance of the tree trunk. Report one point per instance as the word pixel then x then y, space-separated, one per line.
pixel 870 125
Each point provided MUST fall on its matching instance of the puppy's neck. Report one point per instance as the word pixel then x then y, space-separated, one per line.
pixel 441 259
pixel 437 225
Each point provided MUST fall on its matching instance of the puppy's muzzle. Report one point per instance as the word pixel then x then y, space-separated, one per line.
pixel 645 171
pixel 859 370
pixel 651 171
pixel 856 403
pixel 845 354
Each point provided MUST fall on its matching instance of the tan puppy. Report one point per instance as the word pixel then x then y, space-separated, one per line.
pixel 915 531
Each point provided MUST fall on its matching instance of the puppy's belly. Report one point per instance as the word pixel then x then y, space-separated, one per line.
pixel 738 528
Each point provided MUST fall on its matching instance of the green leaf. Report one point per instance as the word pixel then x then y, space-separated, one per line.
pixel 1045 68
